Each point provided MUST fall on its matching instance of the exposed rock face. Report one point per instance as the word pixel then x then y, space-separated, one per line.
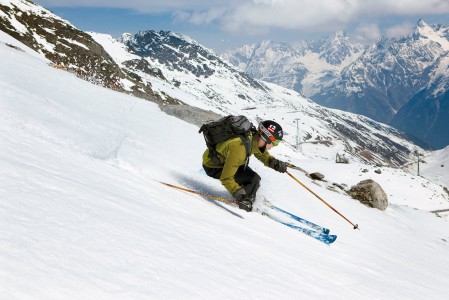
pixel 67 47
pixel 178 52
pixel 369 193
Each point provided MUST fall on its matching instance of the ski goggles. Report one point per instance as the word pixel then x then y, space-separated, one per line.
pixel 271 138
pixel 276 142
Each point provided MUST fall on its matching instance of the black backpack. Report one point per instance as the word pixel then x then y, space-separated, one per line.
pixel 224 129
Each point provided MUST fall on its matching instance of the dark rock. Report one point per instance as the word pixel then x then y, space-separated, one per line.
pixel 317 176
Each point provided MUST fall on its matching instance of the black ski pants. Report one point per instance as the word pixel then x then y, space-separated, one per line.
pixel 244 176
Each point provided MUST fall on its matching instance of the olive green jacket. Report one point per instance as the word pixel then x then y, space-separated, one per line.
pixel 232 154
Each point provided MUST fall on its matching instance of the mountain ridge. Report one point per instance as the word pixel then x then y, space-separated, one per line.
pixel 377 82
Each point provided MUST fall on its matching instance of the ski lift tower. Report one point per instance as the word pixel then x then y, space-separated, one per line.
pixel 418 155
pixel 297 133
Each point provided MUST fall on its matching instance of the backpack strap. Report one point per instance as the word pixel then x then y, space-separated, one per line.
pixel 247 143
pixel 213 155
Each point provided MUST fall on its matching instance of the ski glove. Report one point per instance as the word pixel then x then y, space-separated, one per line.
pixel 277 165
pixel 246 205
pixel 243 200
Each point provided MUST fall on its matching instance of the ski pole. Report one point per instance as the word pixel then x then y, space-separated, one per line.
pixel 313 193
pixel 198 193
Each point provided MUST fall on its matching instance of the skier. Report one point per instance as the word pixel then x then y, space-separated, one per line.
pixel 233 170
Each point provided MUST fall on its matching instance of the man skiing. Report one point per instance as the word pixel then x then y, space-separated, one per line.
pixel 232 168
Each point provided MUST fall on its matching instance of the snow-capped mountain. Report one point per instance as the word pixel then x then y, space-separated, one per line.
pixel 388 74
pixel 181 53
pixel 426 115
pixel 67 47
pixel 269 61
pixel 304 68
pixel 175 67
pixel 178 54
pixel 375 80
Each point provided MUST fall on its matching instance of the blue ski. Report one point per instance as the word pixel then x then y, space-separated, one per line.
pixel 325 238
pixel 299 219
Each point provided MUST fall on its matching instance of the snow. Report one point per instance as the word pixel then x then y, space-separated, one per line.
pixel 41 40
pixel 83 215
pixel 429 34
pixel 435 167
pixel 7 39
pixel 31 8
pixel 76 43
pixel 19 27
pixel 113 47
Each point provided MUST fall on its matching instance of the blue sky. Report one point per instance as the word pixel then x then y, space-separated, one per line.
pixel 223 24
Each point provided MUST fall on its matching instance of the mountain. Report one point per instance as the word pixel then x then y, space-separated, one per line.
pixel 304 67
pixel 387 75
pixel 166 67
pixel 376 80
pixel 83 214
pixel 269 61
pixel 180 53
pixel 67 47
pixel 426 115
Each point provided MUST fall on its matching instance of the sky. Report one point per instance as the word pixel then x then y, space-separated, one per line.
pixel 226 24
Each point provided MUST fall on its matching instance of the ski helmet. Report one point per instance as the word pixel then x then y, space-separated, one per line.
pixel 271 132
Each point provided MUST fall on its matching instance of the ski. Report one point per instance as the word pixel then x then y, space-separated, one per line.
pixel 319 235
pixel 299 219
pixel 325 238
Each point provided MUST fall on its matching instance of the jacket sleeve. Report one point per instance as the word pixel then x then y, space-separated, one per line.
pixel 235 155
pixel 263 157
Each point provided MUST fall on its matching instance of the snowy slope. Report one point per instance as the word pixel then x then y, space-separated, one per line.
pixel 82 215
pixel 435 167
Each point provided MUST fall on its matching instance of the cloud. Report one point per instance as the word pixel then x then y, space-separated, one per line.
pixel 399 30
pixel 200 17
pixel 257 16
pixel 371 32
pixel 289 14
pixel 323 15
pixel 405 7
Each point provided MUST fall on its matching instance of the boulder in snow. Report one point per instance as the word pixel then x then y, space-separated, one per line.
pixel 369 193
pixel 317 176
